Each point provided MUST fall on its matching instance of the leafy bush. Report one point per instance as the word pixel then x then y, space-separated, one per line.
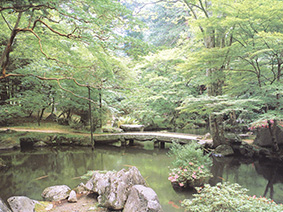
pixel 87 175
pixel 8 113
pixel 264 124
pixel 226 197
pixel 76 124
pixel 126 120
pixel 191 165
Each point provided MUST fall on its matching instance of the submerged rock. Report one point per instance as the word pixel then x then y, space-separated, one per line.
pixel 56 193
pixel 21 203
pixel 142 199
pixel 224 150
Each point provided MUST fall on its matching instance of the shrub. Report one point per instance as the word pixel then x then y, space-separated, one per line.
pixel 226 197
pixel 191 166
pixel 264 124
pixel 126 120
pixel 10 113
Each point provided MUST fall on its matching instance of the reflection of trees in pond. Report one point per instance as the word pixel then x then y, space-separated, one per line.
pixel 258 177
pixel 221 165
pixel 272 172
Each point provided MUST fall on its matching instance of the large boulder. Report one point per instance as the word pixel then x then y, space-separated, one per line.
pixel 132 127
pixel 142 199
pixel 264 139
pixel 3 206
pixel 27 142
pixel 21 203
pixel 113 187
pixel 56 193
pixel 224 150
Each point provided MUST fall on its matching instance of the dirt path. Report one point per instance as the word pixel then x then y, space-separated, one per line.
pixel 84 204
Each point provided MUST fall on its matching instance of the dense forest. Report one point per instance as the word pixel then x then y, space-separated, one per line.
pixel 178 65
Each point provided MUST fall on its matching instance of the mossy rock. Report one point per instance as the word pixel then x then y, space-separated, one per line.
pixel 42 206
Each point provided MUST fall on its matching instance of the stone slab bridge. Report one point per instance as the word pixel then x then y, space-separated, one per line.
pixel 159 138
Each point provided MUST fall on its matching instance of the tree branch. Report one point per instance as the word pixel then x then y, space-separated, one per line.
pixel 54 31
pixel 24 8
pixel 6 21
pixel 76 95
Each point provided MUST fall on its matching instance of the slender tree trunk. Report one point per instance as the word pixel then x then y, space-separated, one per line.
pixel 53 105
pixel 90 120
pixel 40 115
pixel 100 108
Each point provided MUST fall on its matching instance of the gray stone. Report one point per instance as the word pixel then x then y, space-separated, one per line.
pixel 73 197
pixel 132 127
pixel 21 203
pixel 264 139
pixel 224 150
pixel 113 187
pixel 142 199
pixel 3 206
pixel 56 193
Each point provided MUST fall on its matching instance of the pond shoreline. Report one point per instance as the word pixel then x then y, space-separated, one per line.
pixel 124 137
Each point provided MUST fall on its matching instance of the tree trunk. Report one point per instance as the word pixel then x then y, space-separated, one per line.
pixel 100 108
pixel 215 77
pixel 53 106
pixel 3 91
pixel 40 115
pixel 216 129
pixel 272 129
pixel 214 88
pixel 90 120
pixel 6 53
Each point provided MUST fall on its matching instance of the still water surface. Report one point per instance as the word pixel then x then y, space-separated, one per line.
pixel 30 172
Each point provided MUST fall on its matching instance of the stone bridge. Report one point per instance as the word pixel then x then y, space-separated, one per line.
pixel 159 138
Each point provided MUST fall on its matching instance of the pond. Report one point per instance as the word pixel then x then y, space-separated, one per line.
pixel 30 172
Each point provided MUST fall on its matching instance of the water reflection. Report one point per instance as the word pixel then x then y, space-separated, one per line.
pixel 261 178
pixel 30 172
